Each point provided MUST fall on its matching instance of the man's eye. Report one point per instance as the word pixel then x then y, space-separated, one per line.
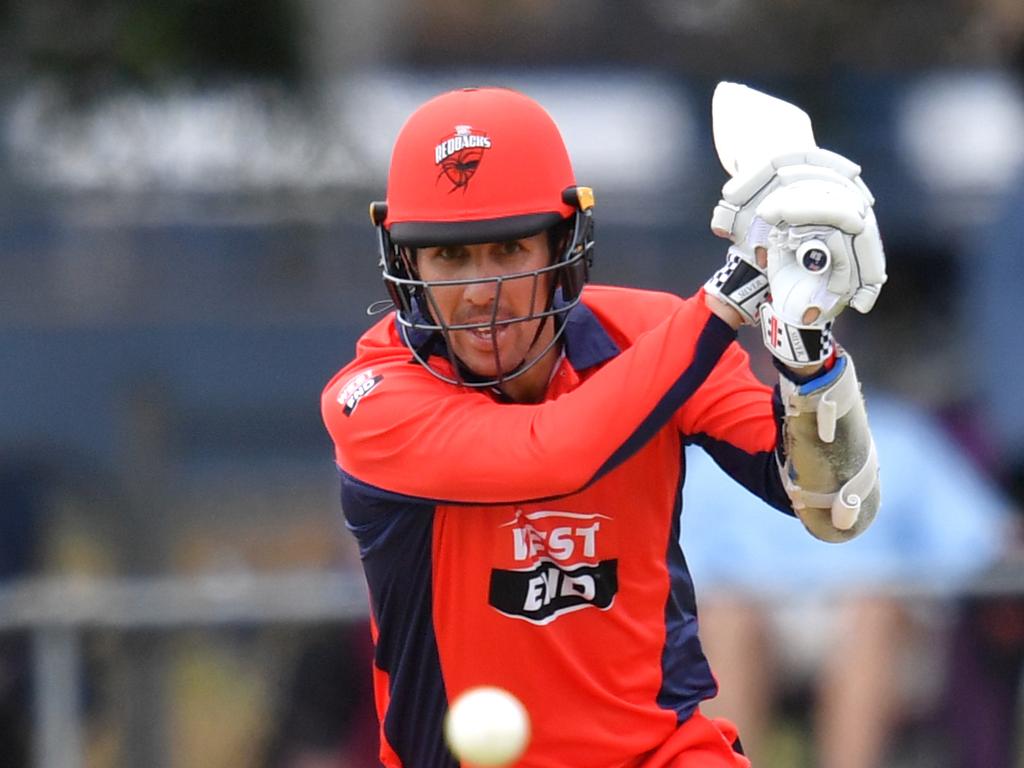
pixel 512 246
pixel 447 254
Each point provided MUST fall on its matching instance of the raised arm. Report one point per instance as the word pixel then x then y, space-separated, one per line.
pixel 414 435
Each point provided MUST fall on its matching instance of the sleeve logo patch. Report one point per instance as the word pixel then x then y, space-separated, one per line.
pixel 358 387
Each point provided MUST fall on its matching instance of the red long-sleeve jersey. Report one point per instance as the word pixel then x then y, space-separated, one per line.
pixel 535 546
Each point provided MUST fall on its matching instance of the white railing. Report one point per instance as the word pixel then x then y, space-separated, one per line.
pixel 55 612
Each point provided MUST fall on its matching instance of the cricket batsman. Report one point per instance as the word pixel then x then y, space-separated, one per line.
pixel 510 438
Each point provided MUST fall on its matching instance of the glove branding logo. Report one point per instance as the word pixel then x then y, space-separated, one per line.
pixel 358 387
pixel 561 569
pixel 813 256
pixel 459 155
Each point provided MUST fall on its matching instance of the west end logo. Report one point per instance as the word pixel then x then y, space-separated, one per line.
pixel 358 387
pixel 562 570
pixel 459 155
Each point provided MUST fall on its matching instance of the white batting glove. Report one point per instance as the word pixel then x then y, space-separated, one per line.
pixel 742 282
pixel 824 254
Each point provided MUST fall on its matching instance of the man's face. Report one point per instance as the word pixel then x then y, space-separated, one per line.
pixel 478 302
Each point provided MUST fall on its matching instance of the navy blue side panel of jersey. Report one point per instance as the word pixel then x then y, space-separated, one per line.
pixel 714 338
pixel 757 472
pixel 587 343
pixel 686 674
pixel 396 544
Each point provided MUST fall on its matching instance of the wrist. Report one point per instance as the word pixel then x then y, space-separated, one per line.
pixel 801 374
pixel 806 372
pixel 724 311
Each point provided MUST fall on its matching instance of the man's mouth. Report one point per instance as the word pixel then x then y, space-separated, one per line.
pixel 487 337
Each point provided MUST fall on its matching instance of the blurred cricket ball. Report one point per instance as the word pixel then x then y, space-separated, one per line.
pixel 487 726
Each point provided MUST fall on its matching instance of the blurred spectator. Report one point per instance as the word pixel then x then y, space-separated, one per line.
pixel 780 606
pixel 326 718
pixel 987 301
pixel 983 694
pixel 54 519
pixel 984 691
pixel 992 348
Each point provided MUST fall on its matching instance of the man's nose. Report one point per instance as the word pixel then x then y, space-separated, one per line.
pixel 481 292
pixel 486 285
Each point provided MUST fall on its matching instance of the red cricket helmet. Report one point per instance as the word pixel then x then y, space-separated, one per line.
pixel 477 165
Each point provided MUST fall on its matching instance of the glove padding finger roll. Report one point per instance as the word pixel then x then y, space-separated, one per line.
pixel 741 282
pixel 735 213
pixel 836 214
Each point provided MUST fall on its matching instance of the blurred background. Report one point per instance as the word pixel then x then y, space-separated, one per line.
pixel 185 259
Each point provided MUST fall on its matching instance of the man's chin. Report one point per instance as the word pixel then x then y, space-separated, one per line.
pixel 484 365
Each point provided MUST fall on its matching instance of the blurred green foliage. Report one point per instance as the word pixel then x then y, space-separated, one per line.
pixel 203 39
pixel 152 42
